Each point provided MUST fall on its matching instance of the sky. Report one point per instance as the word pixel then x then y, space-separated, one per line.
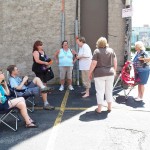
pixel 141 13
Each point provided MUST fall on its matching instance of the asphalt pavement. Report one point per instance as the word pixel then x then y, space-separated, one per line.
pixel 74 125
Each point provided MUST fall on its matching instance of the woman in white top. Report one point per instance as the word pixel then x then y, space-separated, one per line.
pixel 85 59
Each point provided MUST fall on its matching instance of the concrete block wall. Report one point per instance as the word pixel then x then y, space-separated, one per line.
pixel 116 29
pixel 22 22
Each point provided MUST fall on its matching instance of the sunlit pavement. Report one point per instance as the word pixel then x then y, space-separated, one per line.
pixel 74 125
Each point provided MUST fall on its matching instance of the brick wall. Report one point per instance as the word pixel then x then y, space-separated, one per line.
pixel 22 22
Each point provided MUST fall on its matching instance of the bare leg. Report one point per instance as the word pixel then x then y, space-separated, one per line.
pixel 139 91
pixel 142 90
pixel 44 97
pixel 69 82
pixel 109 106
pixel 21 105
pixel 38 82
pixel 86 93
pixel 62 81
pixel 99 109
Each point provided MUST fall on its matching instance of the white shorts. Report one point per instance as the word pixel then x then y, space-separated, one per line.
pixel 104 85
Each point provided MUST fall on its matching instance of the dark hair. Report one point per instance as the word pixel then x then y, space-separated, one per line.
pixel 36 44
pixel 63 43
pixel 82 39
pixel 11 68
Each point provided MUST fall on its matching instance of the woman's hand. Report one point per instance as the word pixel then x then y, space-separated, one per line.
pixel 4 84
pixel 46 63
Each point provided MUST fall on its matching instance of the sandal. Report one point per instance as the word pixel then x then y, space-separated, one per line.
pixel 31 125
pixel 32 121
pixel 97 111
pixel 109 110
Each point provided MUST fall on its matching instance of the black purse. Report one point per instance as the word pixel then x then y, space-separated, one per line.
pixel 49 74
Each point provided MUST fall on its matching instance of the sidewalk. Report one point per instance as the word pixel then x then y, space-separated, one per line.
pixel 75 126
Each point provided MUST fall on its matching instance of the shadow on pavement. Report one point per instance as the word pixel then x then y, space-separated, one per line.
pixel 92 116
pixel 129 102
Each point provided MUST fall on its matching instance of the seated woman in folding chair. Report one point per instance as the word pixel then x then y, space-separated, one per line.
pixel 17 102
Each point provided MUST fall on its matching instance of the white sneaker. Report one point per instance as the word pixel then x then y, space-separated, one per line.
pixel 61 88
pixel 71 87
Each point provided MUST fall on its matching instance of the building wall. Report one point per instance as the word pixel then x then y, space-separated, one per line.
pixel 116 29
pixel 22 22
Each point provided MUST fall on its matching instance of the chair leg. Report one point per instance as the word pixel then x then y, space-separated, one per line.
pixel 5 116
pixel 33 104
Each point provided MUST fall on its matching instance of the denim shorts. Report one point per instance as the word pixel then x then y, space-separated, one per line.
pixel 143 76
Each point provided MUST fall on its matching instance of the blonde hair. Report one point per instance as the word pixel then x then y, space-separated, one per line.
pixel 101 42
pixel 140 45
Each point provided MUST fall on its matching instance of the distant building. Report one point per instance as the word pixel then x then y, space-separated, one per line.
pixel 141 34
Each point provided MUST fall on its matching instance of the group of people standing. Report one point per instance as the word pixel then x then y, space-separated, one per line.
pixel 102 65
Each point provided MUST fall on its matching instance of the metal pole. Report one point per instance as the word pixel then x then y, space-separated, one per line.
pixel 76 45
pixel 63 21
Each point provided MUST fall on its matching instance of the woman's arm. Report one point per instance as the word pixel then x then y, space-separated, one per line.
pixel 75 54
pixel 6 90
pixel 92 67
pixel 144 59
pixel 115 65
pixel 36 58
pixel 56 56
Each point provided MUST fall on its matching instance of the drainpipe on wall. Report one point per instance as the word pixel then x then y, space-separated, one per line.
pixel 63 21
pixel 76 45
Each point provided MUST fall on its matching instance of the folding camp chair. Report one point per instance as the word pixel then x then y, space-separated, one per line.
pixel 5 115
pixel 30 99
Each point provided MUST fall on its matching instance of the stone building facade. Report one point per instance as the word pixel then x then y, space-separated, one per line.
pixel 22 22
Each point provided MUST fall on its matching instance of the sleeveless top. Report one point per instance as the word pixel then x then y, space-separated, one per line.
pixel 4 105
pixel 65 58
pixel 36 67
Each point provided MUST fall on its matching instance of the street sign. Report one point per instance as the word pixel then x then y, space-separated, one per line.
pixel 127 12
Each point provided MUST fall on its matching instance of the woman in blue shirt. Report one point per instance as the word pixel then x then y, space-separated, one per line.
pixel 141 68
pixel 17 102
pixel 65 61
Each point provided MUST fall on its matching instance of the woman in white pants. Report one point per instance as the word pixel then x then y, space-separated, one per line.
pixel 104 66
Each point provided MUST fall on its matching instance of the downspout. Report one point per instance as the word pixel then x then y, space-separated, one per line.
pixel 76 45
pixel 63 21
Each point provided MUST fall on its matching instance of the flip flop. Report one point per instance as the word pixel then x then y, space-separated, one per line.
pixel 97 111
pixel 85 96
pixel 31 125
pixel 83 92
pixel 108 111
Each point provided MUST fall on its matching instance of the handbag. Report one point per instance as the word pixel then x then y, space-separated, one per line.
pixel 49 74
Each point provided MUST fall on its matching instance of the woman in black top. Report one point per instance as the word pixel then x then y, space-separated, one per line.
pixel 39 61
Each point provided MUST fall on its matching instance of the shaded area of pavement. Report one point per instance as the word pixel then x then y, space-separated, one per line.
pixel 80 128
